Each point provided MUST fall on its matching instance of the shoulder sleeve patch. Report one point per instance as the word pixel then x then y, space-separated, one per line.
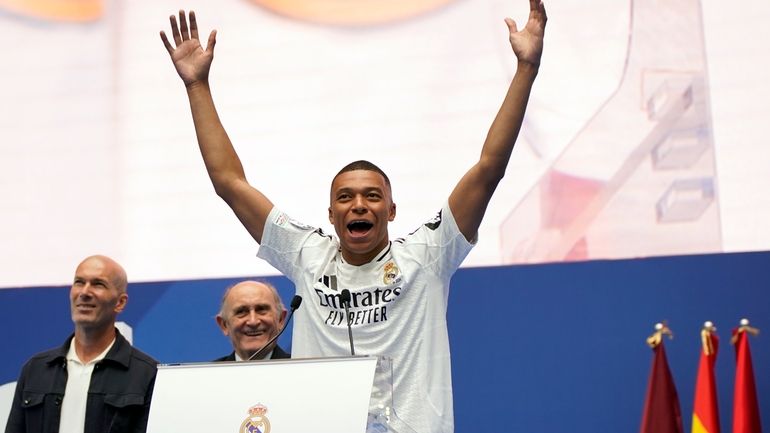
pixel 435 222
pixel 281 219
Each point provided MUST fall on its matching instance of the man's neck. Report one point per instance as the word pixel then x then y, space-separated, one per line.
pixel 359 259
pixel 89 343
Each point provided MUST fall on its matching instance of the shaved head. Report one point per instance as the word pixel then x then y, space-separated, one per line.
pixel 362 164
pixel 97 296
pixel 113 270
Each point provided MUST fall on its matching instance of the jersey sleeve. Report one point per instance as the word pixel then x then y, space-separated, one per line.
pixel 288 244
pixel 438 244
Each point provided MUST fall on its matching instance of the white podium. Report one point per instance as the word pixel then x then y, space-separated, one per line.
pixel 335 395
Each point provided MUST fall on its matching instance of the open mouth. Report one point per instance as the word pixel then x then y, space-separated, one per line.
pixel 359 227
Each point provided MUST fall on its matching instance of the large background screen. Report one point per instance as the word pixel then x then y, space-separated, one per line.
pixel 645 133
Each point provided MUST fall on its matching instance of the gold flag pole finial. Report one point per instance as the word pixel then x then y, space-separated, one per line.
pixel 705 336
pixel 744 327
pixel 661 329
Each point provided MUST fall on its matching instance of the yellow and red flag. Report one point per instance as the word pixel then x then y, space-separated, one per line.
pixel 662 413
pixel 745 404
pixel 705 411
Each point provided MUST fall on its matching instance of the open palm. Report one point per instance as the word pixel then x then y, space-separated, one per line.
pixel 527 44
pixel 191 61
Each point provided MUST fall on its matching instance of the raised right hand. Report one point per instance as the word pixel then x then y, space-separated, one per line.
pixel 191 61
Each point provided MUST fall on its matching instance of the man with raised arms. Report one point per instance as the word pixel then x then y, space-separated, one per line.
pixel 398 288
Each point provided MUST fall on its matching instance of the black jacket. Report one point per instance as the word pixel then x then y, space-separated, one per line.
pixel 118 396
pixel 278 353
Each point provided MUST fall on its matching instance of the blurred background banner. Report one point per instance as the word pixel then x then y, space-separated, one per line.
pixel 644 134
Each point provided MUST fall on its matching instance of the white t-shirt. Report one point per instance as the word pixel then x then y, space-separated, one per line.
pixel 398 306
pixel 73 406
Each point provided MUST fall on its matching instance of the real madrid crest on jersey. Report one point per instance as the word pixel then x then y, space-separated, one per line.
pixel 390 273
pixel 256 422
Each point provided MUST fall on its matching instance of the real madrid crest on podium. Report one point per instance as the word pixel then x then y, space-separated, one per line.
pixel 256 422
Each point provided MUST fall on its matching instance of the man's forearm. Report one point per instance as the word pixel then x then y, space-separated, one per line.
pixel 222 162
pixel 505 128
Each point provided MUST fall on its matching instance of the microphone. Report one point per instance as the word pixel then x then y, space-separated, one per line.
pixel 295 303
pixel 345 300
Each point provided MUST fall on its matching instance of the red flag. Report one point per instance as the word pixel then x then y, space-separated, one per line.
pixel 661 407
pixel 745 404
pixel 705 411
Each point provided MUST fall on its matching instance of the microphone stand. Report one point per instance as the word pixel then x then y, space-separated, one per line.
pixel 295 303
pixel 345 299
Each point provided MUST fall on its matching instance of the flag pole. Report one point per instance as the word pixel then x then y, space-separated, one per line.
pixel 661 413
pixel 705 411
pixel 745 402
